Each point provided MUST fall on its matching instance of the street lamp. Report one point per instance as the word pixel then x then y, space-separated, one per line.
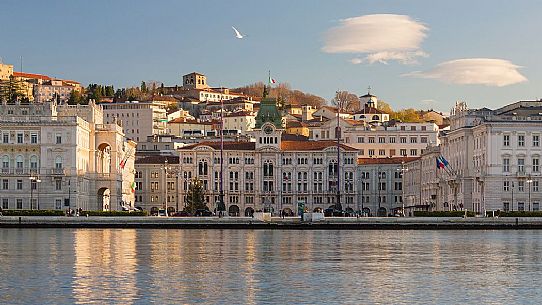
pixel 403 170
pixel 33 184
pixel 166 167
pixel 529 181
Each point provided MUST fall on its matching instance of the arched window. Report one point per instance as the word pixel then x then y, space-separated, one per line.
pixel 19 161
pixel 375 118
pixel 58 162
pixel 5 161
pixel 33 162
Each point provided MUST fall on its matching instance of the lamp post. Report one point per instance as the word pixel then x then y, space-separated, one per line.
pixel 402 170
pixel 33 184
pixel 165 185
pixel 529 181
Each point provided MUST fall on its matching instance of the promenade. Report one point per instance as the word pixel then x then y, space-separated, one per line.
pixel 331 223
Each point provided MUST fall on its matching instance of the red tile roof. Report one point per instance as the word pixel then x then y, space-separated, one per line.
pixel 188 121
pixel 228 145
pixel 158 160
pixel 393 160
pixel 31 75
pixel 311 145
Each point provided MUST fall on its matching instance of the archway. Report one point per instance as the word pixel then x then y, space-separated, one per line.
pixel 249 212
pixel 366 211
pixel 233 210
pixel 104 195
pixel 288 212
pixel 103 162
pixel 382 212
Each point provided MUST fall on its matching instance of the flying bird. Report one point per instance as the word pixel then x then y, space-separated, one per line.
pixel 237 34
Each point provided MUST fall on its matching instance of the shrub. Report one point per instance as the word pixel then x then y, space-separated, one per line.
pixel 515 213
pixel 113 213
pixel 443 214
pixel 33 213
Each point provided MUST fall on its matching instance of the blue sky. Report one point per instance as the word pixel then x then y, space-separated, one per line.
pixel 124 42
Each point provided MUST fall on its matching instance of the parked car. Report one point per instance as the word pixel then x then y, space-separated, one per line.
pixel 162 212
pixel 333 213
pixel 181 214
pixel 203 213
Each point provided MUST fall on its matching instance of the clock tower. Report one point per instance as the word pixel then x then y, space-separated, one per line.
pixel 268 128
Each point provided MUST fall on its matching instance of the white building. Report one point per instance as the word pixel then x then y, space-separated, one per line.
pixel 60 156
pixel 138 119
pixel 494 159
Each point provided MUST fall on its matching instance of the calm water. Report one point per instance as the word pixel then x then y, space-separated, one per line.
pixel 109 266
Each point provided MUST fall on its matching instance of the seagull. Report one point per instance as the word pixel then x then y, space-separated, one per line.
pixel 237 34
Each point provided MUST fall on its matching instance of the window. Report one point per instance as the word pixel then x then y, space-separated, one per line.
pixel 536 165
pixel 19 204
pixel 58 138
pixel 5 203
pixel 381 140
pixel 413 152
pixel 521 206
pixel 58 162
pixel 19 184
pixel 521 140
pixel 361 140
pixel 521 186
pixel 412 128
pixel 371 152
pixel 5 138
pixel 506 165
pixel 19 138
pixel 535 186
pixel 536 206
pixel 506 140
pixel 506 206
pixel 371 139
pixel 381 152
pixel 34 163
pixel 403 152
pixel 5 184
pixel 506 186
pixel 58 185
pixel 33 138
pixel 424 128
pixel 423 140
pixel 536 140
pixel 5 162
pixel 521 165
pixel 19 162
pixel 403 139
pixel 58 204
pixel 392 139
pixel 413 140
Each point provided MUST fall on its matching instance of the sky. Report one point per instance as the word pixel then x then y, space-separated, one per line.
pixel 412 53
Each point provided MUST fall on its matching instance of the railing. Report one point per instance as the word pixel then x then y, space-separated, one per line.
pixel 57 171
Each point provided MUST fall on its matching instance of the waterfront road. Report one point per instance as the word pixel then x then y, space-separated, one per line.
pixel 334 223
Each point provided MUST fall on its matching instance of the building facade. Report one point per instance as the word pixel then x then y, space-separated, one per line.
pixel 138 119
pixel 60 156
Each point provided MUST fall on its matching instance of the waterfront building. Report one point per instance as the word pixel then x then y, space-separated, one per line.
pixel 380 185
pixel 493 160
pixel 151 183
pixel 138 119
pixel 60 156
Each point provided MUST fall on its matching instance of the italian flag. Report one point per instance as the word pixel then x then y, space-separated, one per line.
pixel 272 80
pixel 133 187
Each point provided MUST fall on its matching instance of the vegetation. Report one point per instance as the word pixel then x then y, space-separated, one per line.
pixel 515 213
pixel 443 214
pixel 195 197
pixel 33 213
pixel 113 213
pixel 12 89
pixel 284 94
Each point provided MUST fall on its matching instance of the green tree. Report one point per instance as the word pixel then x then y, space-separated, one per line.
pixel 75 97
pixel 195 197
pixel 143 87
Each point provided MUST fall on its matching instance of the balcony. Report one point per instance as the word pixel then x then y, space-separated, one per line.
pixel 57 172
pixel 521 174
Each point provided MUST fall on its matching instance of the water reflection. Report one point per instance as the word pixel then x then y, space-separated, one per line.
pixel 63 266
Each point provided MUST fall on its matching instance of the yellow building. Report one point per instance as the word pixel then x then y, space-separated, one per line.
pixel 297 128
pixel 5 71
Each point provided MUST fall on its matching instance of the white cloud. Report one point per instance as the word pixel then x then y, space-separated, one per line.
pixel 474 71
pixel 381 38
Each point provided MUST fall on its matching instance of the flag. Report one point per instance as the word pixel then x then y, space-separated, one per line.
pixel 133 187
pixel 444 161
pixel 439 163
pixel 122 163
pixel 272 80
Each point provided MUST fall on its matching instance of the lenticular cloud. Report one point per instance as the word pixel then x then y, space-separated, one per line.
pixel 475 71
pixel 379 38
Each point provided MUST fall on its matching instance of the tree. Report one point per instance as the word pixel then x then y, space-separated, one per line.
pixel 195 197
pixel 75 97
pixel 382 105
pixel 349 101
pixel 143 87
